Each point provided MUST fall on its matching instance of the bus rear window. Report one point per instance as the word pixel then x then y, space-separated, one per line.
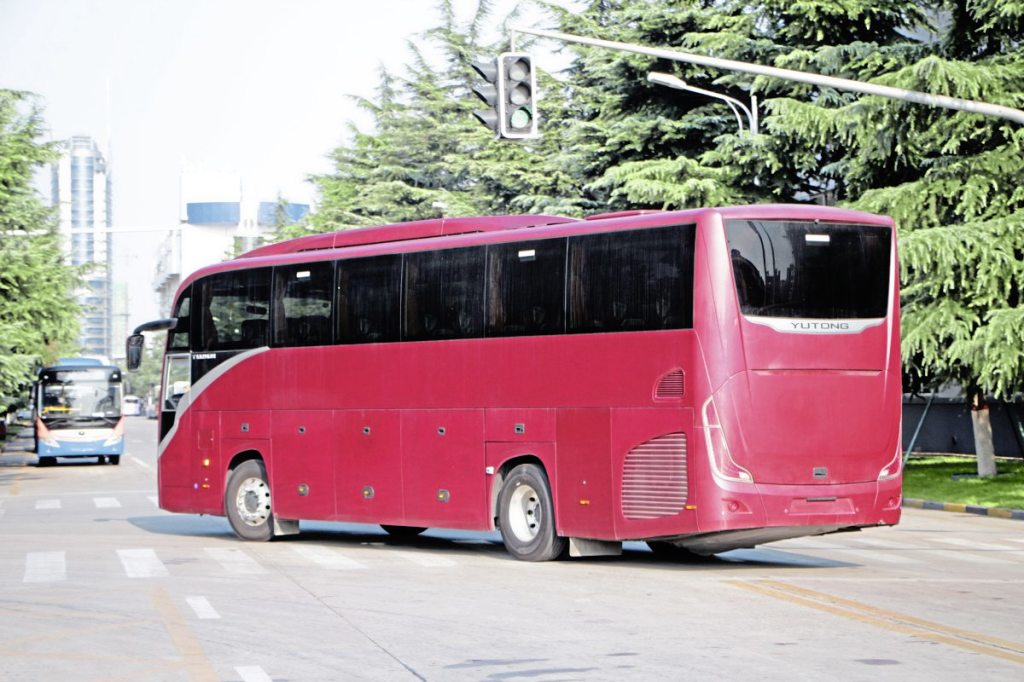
pixel 810 270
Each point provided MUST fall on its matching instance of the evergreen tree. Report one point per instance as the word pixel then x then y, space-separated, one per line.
pixel 38 314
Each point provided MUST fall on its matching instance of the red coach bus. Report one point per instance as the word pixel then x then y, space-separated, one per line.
pixel 702 380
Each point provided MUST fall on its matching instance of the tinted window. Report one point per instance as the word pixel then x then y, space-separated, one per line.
pixel 629 281
pixel 369 299
pixel 178 339
pixel 526 288
pixel 801 269
pixel 302 304
pixel 444 293
pixel 234 310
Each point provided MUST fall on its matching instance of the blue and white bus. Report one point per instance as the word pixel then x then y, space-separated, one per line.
pixel 78 411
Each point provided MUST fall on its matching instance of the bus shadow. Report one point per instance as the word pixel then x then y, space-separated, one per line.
pixel 358 536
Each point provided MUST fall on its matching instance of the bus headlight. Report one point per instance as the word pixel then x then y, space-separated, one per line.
pixel 722 464
pixel 118 434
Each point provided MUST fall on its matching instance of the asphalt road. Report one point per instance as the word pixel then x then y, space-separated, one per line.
pixel 97 583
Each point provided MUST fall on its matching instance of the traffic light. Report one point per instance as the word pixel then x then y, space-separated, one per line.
pixel 517 89
pixel 510 93
pixel 489 94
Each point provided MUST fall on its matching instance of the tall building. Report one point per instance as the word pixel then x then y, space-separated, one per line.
pixel 220 217
pixel 81 192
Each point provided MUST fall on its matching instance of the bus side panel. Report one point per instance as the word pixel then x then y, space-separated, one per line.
pixel 652 480
pixel 206 463
pixel 302 484
pixel 368 475
pixel 583 492
pixel 443 475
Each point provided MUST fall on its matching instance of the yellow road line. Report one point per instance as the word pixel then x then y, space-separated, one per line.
pixel 889 620
pixel 194 659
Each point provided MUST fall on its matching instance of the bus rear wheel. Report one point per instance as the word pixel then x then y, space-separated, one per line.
pixel 526 515
pixel 247 502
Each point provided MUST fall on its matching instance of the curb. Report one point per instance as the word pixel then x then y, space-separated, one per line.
pixel 999 512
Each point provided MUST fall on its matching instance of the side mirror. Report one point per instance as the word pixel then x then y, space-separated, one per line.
pixel 133 350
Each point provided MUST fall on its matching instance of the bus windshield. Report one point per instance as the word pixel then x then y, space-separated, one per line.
pixel 810 270
pixel 69 397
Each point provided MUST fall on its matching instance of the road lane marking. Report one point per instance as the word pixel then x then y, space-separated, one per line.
pixel 427 560
pixel 106 502
pixel 889 620
pixel 963 555
pixel 252 673
pixel 193 658
pixel 47 504
pixel 45 567
pixel 141 563
pixel 236 561
pixel 979 546
pixel 327 558
pixel 144 465
pixel 203 608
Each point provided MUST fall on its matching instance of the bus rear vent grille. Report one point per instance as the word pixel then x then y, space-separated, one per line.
pixel 670 386
pixel 654 478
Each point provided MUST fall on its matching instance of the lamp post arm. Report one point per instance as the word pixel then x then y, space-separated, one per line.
pixel 972 106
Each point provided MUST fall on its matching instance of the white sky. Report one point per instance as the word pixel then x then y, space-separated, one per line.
pixel 257 87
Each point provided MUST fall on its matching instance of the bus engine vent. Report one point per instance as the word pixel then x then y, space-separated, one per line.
pixel 670 387
pixel 654 478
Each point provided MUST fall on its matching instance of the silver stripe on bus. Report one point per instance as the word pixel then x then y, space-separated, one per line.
pixel 199 387
pixel 795 325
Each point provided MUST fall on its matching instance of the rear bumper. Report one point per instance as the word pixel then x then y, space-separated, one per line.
pixel 744 506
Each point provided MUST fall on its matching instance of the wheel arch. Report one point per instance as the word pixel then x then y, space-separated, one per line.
pixel 501 473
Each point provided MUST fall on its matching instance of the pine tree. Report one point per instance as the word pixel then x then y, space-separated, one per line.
pixel 38 313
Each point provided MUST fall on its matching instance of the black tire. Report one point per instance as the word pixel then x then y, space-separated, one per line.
pixel 247 502
pixel 114 459
pixel 669 552
pixel 101 460
pixel 402 532
pixel 47 461
pixel 526 516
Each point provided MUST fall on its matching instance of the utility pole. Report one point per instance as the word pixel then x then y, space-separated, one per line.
pixel 972 106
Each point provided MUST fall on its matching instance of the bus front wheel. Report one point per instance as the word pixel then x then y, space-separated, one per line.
pixel 247 502
pixel 526 515
pixel 114 459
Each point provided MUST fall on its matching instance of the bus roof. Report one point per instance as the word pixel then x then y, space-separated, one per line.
pixel 464 231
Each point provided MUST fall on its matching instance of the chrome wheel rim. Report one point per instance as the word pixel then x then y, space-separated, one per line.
pixel 524 513
pixel 253 501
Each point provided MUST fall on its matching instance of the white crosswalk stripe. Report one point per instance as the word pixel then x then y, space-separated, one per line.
pixel 45 567
pixel 106 502
pixel 203 608
pixel 421 559
pixel 48 504
pixel 953 555
pixel 235 561
pixel 141 563
pixel 327 558
pixel 252 673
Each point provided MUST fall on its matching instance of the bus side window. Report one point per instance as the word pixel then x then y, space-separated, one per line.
pixel 526 288
pixel 234 310
pixel 444 294
pixel 369 299
pixel 631 281
pixel 302 304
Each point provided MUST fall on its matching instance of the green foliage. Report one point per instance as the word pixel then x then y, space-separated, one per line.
pixel 38 315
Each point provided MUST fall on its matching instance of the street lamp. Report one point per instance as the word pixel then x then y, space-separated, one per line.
pixel 671 81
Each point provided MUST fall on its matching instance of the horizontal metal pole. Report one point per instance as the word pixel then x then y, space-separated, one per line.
pixel 974 107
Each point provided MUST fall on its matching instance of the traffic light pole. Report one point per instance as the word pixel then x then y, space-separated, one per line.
pixel 974 107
